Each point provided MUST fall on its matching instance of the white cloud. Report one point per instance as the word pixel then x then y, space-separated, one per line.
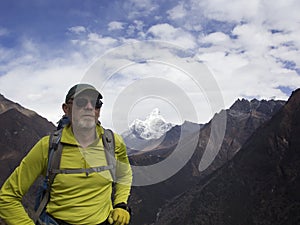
pixel 244 75
pixel 253 39
pixel 218 40
pixel 136 28
pixel 115 25
pixel 41 90
pixel 228 10
pixel 105 41
pixel 26 54
pixel 77 29
pixel 251 63
pixel 282 14
pixel 92 45
pixel 168 33
pixel 248 65
pixel 178 12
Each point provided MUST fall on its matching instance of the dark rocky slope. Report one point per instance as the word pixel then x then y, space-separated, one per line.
pixel 242 119
pixel 20 129
pixel 260 185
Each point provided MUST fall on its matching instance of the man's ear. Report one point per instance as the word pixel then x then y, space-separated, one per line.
pixel 65 108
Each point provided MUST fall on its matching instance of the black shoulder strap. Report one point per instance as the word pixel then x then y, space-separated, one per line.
pixel 54 156
pixel 108 140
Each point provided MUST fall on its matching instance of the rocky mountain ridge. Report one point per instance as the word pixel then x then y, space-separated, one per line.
pixel 242 119
pixel 20 130
pixel 6 104
pixel 259 185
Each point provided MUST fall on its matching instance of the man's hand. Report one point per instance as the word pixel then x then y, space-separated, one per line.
pixel 119 216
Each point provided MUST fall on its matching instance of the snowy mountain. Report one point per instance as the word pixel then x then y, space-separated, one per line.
pixel 153 127
pixel 146 132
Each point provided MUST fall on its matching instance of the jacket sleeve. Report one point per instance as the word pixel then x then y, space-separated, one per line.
pixel 123 172
pixel 14 188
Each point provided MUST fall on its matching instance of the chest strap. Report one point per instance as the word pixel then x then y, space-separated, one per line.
pixel 87 171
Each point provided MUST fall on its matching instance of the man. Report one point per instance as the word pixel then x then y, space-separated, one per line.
pixel 82 198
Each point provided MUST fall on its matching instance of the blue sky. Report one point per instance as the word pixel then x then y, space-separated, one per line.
pixel 251 49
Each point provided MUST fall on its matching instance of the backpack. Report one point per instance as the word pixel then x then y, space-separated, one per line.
pixel 54 157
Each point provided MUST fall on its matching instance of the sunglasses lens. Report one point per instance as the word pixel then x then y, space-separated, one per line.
pixel 82 102
pixel 94 102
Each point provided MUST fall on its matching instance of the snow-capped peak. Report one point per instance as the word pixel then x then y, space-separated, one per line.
pixel 153 127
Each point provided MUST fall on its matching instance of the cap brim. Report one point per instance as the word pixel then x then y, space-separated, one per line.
pixel 78 92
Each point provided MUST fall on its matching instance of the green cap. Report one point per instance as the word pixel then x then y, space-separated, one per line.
pixel 79 88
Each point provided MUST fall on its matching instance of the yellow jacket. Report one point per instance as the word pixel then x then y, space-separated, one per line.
pixel 75 198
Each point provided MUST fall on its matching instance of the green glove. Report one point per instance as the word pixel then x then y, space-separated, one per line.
pixel 119 216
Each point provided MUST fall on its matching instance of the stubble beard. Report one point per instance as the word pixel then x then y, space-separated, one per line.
pixel 84 124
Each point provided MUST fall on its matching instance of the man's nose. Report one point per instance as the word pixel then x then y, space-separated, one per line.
pixel 89 105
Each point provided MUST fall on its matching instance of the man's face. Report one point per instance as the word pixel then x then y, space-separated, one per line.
pixel 84 110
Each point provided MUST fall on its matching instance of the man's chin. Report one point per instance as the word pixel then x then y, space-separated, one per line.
pixel 87 124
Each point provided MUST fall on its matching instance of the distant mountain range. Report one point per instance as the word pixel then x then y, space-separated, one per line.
pixel 21 128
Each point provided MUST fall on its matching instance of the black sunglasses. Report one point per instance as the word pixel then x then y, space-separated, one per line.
pixel 82 102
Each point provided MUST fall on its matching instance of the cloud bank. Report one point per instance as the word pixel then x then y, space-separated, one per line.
pixel 250 47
